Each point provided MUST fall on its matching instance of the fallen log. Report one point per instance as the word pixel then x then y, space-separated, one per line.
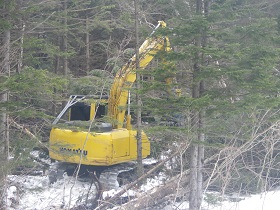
pixel 162 194
pixel 173 190
pixel 156 198
pixel 114 200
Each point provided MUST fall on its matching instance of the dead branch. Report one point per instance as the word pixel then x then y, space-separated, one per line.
pixel 28 133
pixel 111 201
pixel 22 128
pixel 177 185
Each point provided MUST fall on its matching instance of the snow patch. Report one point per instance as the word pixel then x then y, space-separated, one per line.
pixel 35 192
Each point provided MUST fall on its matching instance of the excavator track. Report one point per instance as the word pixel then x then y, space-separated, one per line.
pixel 110 178
pixel 118 175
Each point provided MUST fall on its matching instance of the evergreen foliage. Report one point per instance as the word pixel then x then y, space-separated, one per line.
pixel 32 90
pixel 238 62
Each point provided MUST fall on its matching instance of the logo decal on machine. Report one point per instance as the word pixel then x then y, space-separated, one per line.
pixel 77 151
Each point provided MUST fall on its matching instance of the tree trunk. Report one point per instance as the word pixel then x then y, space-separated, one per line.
pixel 138 98
pixel 200 160
pixel 64 46
pixel 56 70
pixel 20 60
pixel 193 197
pixel 3 128
pixel 87 46
pixel 197 153
pixel 4 124
pixel 5 95
pixel 197 149
pixel 201 136
pixel 64 38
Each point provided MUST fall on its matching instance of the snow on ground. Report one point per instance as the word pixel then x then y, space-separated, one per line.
pixel 264 201
pixel 35 193
pixel 150 183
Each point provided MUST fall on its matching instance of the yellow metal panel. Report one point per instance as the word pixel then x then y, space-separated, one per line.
pixel 133 145
pixel 92 111
pixel 117 146
pixel 121 143
pixel 80 146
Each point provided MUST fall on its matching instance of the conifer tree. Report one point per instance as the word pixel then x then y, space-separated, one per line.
pixel 233 72
pixel 241 57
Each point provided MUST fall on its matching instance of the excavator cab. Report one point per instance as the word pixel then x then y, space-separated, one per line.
pixel 80 111
pixel 84 112
pixel 83 108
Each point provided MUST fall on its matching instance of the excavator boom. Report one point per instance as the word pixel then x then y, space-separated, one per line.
pixel 126 76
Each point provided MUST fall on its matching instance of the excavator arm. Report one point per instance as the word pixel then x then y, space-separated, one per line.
pixel 126 76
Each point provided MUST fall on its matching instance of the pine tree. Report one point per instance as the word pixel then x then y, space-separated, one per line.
pixel 232 73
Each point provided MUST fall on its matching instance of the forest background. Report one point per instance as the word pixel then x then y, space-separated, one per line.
pixel 225 60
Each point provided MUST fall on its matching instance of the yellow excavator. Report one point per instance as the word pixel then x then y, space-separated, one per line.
pixel 85 138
